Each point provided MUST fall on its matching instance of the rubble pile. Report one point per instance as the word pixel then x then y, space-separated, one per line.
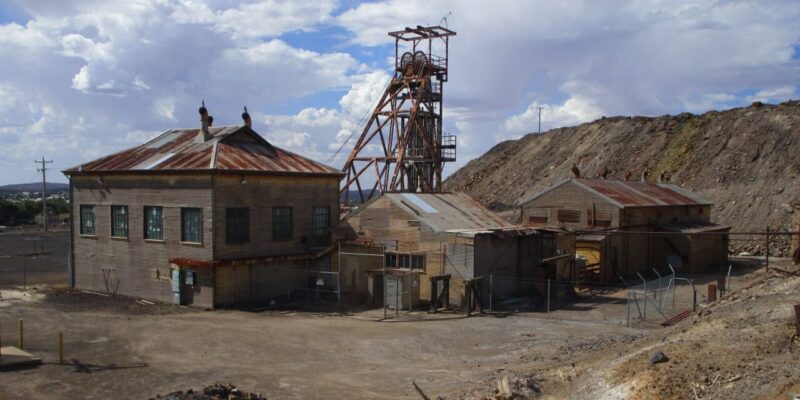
pixel 217 391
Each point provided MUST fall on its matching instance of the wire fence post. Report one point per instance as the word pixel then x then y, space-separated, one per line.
pixel 339 280
pixel 728 279
pixel 491 289
pixel 24 273
pixel 628 306
pixel 396 298
pixel 548 296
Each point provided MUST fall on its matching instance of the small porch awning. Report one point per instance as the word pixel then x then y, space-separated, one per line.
pixel 694 227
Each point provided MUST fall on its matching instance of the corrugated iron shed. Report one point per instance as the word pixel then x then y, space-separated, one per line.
pixel 633 193
pixel 230 148
pixel 445 212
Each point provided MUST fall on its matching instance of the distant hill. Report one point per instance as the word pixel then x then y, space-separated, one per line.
pixel 52 187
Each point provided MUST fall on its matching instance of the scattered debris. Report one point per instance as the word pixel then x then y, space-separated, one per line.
pixel 658 358
pixel 217 391
pixel 421 393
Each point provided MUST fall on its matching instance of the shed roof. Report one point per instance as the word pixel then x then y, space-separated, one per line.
pixel 230 148
pixel 694 227
pixel 632 193
pixel 447 212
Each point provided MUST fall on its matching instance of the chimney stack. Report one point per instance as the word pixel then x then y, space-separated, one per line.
pixel 246 118
pixel 205 122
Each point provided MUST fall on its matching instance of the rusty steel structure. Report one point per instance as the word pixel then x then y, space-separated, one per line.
pixel 402 147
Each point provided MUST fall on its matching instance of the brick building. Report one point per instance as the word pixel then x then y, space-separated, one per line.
pixel 214 216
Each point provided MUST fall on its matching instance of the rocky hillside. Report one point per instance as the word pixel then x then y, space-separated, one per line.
pixel 745 160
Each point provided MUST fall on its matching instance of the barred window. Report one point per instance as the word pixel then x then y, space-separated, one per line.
pixel 321 220
pixel 404 260
pixel 192 225
pixel 237 225
pixel 281 223
pixel 153 223
pixel 119 221
pixel 87 220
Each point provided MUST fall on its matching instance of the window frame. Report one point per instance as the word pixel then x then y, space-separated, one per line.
pixel 418 261
pixel 242 234
pixel 408 260
pixel 146 218
pixel 83 228
pixel 318 228
pixel 282 230
pixel 126 215
pixel 199 228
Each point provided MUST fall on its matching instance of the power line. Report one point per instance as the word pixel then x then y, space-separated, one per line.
pixel 43 170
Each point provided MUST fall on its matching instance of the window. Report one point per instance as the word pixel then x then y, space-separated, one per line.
pixel 321 220
pixel 417 261
pixel 153 223
pixel 192 225
pixel 405 260
pixel 119 221
pixel 282 223
pixel 391 260
pixel 87 220
pixel 237 225
pixel 538 215
pixel 567 215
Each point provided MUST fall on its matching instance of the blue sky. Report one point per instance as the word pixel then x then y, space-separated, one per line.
pixel 81 79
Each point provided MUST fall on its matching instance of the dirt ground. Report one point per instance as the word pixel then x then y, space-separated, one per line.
pixel 739 347
pixel 116 347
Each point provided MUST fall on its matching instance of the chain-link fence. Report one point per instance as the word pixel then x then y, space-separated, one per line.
pixel 33 258
pixel 650 297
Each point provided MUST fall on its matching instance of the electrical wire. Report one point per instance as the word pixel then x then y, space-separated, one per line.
pixel 359 126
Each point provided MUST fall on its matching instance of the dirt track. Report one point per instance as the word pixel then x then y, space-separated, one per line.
pixel 120 349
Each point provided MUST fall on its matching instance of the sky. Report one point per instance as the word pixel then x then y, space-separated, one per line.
pixel 84 78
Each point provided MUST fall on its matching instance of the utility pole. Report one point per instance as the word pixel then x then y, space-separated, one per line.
pixel 43 170
pixel 540 118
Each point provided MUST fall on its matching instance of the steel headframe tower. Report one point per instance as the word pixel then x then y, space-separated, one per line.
pixel 402 145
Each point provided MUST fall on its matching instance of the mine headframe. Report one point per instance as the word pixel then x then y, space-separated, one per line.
pixel 402 147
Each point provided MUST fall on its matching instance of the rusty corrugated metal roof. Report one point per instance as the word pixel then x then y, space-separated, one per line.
pixel 230 148
pixel 633 193
pixel 643 194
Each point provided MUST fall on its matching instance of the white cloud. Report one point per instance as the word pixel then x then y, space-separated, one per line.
pixel 271 18
pixel 76 45
pixel 776 94
pixel 575 110
pixel 83 78
pixel 165 108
